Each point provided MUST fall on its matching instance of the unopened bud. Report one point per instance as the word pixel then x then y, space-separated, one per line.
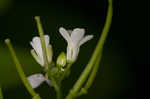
pixel 61 60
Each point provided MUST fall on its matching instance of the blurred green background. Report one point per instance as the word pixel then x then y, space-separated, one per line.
pixel 116 77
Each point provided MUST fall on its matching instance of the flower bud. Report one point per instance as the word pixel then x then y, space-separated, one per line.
pixel 61 60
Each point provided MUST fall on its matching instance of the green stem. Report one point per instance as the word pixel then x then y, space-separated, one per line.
pixel 91 78
pixel 41 33
pixel 58 92
pixel 57 88
pixel 1 94
pixel 19 69
pixel 98 49
pixel 93 74
pixel 56 85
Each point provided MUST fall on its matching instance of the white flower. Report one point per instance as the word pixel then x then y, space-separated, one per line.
pixel 36 79
pixel 37 52
pixel 74 39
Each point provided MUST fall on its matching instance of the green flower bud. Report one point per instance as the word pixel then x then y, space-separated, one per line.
pixel 61 60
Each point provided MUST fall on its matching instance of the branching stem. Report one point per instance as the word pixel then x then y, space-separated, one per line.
pixel 84 75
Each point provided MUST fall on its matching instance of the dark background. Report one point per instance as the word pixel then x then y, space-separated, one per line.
pixel 121 56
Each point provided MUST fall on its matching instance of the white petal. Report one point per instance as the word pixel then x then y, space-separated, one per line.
pixel 37 58
pixel 65 34
pixel 75 54
pixel 46 37
pixel 36 79
pixel 69 53
pixel 85 39
pixel 36 44
pixel 77 35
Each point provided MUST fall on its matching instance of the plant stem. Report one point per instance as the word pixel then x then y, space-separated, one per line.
pixel 93 74
pixel 98 49
pixel 19 69
pixel 1 94
pixel 91 77
pixel 56 85
pixel 58 92
pixel 57 88
pixel 41 33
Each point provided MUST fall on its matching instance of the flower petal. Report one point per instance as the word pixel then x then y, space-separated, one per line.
pixel 37 58
pixel 75 54
pixel 36 79
pixel 69 53
pixel 77 35
pixel 85 39
pixel 65 34
pixel 36 44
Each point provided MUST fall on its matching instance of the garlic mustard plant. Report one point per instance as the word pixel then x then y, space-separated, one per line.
pixel 54 72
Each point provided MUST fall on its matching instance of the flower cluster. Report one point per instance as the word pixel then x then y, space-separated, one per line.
pixel 75 38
